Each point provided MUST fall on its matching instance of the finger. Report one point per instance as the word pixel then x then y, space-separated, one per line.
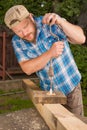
pixel 49 18
pixel 53 19
pixel 59 43
pixel 45 18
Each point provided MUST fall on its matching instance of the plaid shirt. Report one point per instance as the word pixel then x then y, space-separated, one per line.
pixel 66 75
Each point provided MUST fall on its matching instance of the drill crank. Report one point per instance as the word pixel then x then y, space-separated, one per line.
pixel 51 72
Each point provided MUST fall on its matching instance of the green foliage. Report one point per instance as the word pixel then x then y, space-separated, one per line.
pixel 80 56
pixel 69 9
pixel 85 104
pixel 38 7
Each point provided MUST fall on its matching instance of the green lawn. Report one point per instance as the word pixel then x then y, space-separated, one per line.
pixel 12 103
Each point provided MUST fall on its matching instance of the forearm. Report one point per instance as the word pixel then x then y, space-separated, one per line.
pixel 73 32
pixel 33 65
pixel 36 64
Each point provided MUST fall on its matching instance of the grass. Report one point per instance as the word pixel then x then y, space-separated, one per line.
pixel 12 103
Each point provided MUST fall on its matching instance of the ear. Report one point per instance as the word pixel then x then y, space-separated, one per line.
pixel 31 16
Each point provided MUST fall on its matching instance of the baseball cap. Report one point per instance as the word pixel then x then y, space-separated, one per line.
pixel 15 15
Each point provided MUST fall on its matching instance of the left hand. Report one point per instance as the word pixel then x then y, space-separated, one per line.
pixel 51 18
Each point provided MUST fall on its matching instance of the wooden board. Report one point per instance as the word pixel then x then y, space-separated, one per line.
pixel 59 118
pixel 43 97
pixel 55 115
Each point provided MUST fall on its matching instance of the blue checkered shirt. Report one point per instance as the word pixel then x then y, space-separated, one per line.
pixel 66 75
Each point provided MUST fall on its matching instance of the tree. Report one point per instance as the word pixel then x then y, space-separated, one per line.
pixel 38 7
pixel 69 9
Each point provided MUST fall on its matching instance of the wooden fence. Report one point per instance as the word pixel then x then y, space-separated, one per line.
pixel 8 61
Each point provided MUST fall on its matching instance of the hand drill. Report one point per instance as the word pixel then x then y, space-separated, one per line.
pixel 51 72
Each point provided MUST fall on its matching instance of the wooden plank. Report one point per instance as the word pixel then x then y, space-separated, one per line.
pixel 65 119
pixel 39 96
pixel 83 118
pixel 59 118
pixel 56 116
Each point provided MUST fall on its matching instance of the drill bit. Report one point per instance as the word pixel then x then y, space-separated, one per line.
pixel 51 72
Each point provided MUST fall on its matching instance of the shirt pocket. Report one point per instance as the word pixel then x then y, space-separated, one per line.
pixel 49 42
pixel 30 52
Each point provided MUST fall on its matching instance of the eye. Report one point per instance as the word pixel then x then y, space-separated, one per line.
pixel 26 25
pixel 19 31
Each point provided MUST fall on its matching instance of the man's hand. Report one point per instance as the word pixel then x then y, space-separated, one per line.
pixel 73 32
pixel 51 18
pixel 56 49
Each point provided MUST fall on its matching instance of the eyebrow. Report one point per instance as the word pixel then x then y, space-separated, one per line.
pixel 14 20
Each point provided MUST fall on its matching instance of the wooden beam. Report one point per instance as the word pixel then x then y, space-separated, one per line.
pixel 55 115
pixel 59 118
pixel 42 97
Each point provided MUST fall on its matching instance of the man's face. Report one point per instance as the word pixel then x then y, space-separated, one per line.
pixel 26 29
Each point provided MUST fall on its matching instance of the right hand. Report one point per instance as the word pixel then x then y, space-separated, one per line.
pixel 56 49
pixel 53 17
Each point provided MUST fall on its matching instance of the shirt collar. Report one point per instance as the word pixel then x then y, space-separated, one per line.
pixel 39 25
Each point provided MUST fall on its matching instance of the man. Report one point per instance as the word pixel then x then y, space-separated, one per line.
pixel 41 40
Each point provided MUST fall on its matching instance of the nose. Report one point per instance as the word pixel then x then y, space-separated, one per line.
pixel 24 32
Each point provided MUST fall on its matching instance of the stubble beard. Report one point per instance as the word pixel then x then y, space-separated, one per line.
pixel 34 33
